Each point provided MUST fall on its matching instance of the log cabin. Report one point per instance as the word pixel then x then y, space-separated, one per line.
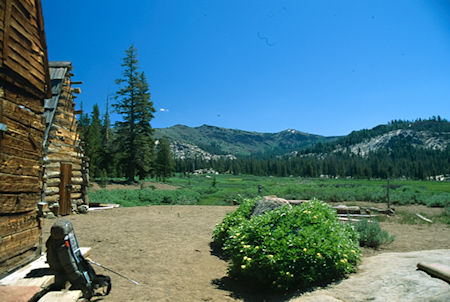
pixel 24 84
pixel 65 168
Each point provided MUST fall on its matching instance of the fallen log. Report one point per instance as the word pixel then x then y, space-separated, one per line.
pixel 357 215
pixel 423 218
pixel 348 219
pixel 436 270
pixel 343 209
pixel 381 211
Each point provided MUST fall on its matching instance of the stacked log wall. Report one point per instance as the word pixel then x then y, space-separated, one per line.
pixel 24 83
pixel 64 146
pixel 21 153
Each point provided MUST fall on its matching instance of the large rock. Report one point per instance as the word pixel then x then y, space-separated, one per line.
pixel 389 277
pixel 268 203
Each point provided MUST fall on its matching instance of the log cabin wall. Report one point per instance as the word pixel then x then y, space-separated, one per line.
pixel 24 83
pixel 64 185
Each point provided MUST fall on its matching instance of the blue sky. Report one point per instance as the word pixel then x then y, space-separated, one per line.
pixel 322 67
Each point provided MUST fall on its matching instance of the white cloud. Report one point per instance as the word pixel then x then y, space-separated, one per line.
pixel 164 110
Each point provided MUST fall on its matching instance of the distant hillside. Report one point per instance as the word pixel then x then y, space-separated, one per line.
pixel 394 137
pixel 413 149
pixel 209 141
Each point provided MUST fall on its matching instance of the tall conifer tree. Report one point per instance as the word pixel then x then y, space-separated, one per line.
pixel 134 131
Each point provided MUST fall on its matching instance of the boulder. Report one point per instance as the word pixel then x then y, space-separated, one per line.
pixel 268 203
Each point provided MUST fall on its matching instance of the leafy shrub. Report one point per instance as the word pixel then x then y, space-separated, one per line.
pixel 288 248
pixel 371 234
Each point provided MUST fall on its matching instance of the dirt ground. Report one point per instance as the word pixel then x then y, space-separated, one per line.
pixel 167 250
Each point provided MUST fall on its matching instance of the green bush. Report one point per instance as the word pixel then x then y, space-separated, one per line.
pixel 371 234
pixel 288 248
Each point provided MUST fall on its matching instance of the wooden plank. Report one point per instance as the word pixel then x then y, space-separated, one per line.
pixel 16 183
pixel 65 206
pixel 19 166
pixel 436 270
pixel 25 56
pixel 40 23
pixel 16 223
pixel 16 62
pixel 23 14
pixel 30 59
pixel 6 28
pixel 18 243
pixel 18 203
pixel 62 296
pixel 18 293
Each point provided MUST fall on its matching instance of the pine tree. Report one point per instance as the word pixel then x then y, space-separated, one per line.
pixel 134 131
pixel 164 161
pixel 94 143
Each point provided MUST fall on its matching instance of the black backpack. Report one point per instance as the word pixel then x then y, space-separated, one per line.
pixel 68 264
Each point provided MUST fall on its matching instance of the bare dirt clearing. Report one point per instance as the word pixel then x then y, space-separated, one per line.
pixel 167 249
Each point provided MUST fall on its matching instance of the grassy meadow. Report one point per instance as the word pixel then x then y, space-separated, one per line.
pixel 226 189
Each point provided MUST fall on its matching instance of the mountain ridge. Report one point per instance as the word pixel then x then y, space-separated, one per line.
pixel 239 143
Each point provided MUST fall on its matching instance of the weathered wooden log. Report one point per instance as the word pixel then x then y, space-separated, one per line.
pixel 342 209
pixel 23 100
pixel 424 218
pixel 357 215
pixel 17 183
pixel 75 196
pixel 381 211
pixel 18 202
pixel 52 182
pixel 15 165
pixel 77 180
pixel 20 147
pixel 21 115
pixel 51 158
pixel 17 243
pixel 436 270
pixel 75 189
pixel 51 190
pixel 16 223
pixel 50 173
pixel 17 261
pixel 51 198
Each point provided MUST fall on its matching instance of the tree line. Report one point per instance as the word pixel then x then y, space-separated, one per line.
pixel 417 164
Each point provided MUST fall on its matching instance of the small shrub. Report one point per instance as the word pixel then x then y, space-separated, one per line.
pixel 371 234
pixel 288 248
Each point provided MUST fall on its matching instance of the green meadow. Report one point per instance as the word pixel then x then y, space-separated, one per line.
pixel 231 189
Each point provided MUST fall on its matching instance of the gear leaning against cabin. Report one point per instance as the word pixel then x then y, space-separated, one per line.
pixel 68 264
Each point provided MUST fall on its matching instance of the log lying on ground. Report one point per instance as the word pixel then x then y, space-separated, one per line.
pixel 343 209
pixel 436 270
pixel 349 219
pixel 423 218
pixel 386 211
pixel 357 215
